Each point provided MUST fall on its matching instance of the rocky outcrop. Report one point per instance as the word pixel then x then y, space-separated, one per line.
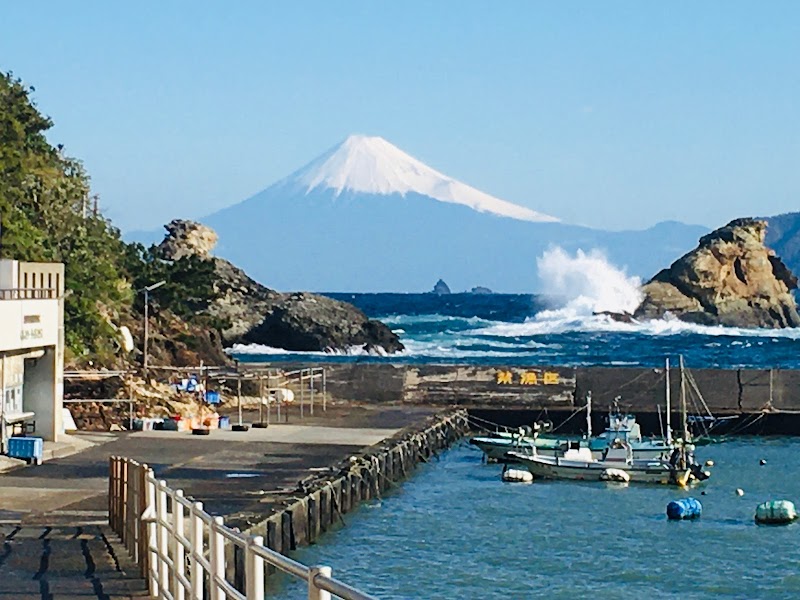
pixel 441 288
pixel 304 321
pixel 731 279
pixel 252 313
pixel 186 238
pixel 480 290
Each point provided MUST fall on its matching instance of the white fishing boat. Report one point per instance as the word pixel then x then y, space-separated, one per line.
pixel 579 464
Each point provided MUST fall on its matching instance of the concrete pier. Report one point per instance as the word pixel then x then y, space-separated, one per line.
pixel 289 482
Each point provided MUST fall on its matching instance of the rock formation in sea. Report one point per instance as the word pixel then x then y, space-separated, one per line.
pixel 730 279
pixel 441 288
pixel 255 314
pixel 480 290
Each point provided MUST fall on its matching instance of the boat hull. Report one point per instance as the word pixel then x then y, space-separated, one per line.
pixel 639 471
pixel 496 449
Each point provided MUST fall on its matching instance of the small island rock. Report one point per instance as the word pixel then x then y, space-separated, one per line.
pixel 481 290
pixel 441 288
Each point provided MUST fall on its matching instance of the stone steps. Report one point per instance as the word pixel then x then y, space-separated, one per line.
pixel 65 562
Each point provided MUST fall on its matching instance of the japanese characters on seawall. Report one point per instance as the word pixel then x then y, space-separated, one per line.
pixel 510 377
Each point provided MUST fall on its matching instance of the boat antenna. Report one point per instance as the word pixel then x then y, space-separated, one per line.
pixel 669 404
pixel 588 414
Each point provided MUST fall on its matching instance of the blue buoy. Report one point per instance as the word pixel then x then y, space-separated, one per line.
pixel 685 508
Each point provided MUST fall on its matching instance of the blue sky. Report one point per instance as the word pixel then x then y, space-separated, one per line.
pixel 610 114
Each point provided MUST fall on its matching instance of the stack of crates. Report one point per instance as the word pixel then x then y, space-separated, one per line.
pixel 26 448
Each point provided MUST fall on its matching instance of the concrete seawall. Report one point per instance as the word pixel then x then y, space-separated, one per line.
pixel 726 391
pixel 323 498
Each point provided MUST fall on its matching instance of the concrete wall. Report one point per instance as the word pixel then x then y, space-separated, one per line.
pixel 726 391
pixel 43 393
pixel 28 324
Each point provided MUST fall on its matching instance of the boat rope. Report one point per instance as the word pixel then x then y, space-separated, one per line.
pixel 490 425
pixel 577 411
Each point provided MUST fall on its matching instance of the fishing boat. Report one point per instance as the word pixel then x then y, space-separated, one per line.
pixel 579 463
pixel 621 426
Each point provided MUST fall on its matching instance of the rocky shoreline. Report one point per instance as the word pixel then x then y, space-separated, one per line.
pixel 251 313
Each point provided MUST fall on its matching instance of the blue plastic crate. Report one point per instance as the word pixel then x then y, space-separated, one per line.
pixel 212 397
pixel 28 448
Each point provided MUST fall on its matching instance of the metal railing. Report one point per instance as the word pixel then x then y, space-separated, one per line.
pixel 185 553
pixel 29 294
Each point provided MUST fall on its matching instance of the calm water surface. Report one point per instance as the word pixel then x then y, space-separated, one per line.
pixel 456 531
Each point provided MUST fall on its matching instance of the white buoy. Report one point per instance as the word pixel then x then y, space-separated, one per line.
pixel 739 492
pixel 709 463
pixel 615 475
pixel 776 512
pixel 517 476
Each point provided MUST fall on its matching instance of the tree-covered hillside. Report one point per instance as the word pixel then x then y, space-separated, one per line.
pixel 47 214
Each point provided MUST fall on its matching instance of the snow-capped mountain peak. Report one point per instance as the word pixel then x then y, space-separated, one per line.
pixel 372 165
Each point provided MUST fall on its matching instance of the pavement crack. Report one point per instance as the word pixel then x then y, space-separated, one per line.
pixel 91 569
pixel 110 550
pixel 44 561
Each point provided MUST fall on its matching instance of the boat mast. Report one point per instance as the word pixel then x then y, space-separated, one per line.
pixel 669 406
pixel 684 422
pixel 588 415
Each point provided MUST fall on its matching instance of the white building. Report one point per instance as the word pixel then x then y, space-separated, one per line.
pixel 31 349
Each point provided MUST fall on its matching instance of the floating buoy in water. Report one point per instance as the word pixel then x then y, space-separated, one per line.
pixel 739 492
pixel 615 475
pixel 517 476
pixel 685 508
pixel 703 493
pixel 776 512
pixel 709 463
pixel 762 462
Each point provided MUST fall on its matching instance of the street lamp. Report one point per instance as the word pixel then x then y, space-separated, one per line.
pixel 147 290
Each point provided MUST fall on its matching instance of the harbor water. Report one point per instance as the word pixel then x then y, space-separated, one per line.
pixel 454 530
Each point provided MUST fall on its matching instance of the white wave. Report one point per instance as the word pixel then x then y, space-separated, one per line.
pixel 259 349
pixel 550 322
pixel 408 320
pixel 588 282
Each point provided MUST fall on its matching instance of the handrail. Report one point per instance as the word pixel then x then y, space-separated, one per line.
pixel 28 294
pixel 184 552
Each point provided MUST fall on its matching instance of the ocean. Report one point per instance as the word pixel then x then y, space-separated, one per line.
pixel 525 329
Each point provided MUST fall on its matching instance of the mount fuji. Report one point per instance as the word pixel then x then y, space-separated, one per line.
pixel 366 216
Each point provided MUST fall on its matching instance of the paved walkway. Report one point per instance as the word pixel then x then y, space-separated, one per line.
pixel 53 539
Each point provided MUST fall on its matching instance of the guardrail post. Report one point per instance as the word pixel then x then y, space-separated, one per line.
pixel 254 569
pixel 152 535
pixel 112 481
pixel 196 537
pixel 315 592
pixel 163 535
pixel 179 552
pixel 216 543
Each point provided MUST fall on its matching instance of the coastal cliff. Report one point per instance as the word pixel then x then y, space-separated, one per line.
pixel 249 312
pixel 730 279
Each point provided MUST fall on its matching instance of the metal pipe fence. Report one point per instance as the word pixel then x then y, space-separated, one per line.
pixel 187 554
